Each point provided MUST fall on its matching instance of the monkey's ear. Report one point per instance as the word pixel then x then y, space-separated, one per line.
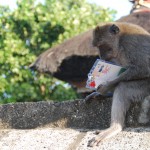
pixel 114 29
pixel 97 29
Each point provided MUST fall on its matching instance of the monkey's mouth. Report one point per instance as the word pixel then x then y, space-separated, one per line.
pixel 104 48
pixel 105 52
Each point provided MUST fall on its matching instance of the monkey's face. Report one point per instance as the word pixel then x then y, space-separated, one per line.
pixel 105 38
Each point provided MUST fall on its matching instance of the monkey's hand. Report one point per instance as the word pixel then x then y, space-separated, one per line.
pixel 103 89
pixel 92 96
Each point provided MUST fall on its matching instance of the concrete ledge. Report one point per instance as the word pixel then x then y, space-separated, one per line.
pixel 70 114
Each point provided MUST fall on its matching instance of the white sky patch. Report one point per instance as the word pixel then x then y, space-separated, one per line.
pixel 122 7
pixel 11 3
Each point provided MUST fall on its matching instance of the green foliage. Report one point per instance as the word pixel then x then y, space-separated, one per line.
pixel 31 29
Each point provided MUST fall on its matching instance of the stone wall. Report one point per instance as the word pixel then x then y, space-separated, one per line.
pixel 69 114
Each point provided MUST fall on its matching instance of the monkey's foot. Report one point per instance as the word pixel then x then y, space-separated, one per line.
pixel 105 134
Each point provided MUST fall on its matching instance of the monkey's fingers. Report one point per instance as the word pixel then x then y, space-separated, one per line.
pixel 95 141
pixel 103 135
pixel 92 96
pixel 102 89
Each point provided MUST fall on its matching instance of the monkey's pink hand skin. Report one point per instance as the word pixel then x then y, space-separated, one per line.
pixel 104 134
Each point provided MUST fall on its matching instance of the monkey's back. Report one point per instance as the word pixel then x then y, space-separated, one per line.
pixel 136 37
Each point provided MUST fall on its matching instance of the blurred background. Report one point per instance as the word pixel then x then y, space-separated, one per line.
pixel 29 27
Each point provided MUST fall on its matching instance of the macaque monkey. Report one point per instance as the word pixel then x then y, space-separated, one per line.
pixel 126 45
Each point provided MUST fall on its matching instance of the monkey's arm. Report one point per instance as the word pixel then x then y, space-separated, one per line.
pixel 132 73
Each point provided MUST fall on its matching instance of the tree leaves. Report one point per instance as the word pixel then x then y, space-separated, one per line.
pixel 31 29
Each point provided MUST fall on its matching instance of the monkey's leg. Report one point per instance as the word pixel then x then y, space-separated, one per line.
pixel 119 107
pixel 144 118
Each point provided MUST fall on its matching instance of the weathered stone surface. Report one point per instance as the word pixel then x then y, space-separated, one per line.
pixel 66 126
pixel 129 139
pixel 38 139
pixel 72 114
pixel 71 139
pixel 55 114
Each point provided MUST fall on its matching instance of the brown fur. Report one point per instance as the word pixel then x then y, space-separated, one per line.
pixel 129 46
